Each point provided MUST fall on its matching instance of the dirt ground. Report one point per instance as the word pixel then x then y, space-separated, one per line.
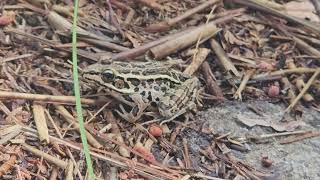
pixel 295 161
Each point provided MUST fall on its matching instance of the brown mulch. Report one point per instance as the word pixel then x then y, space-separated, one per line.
pixel 239 49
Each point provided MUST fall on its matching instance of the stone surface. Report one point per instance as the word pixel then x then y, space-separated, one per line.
pixel 295 161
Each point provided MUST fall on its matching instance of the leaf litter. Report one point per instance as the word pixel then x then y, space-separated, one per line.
pixel 241 50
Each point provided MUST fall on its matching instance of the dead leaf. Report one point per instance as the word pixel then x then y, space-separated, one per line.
pixel 232 39
pixel 302 9
pixel 268 122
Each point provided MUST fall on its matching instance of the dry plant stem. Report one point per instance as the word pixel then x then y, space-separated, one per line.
pixel 123 6
pixel 63 26
pixel 135 52
pixel 132 53
pixel 58 162
pixel 304 90
pixel 71 120
pixel 31 36
pixel 239 58
pixel 116 141
pixel 307 48
pixel 41 122
pixel 152 4
pixel 243 83
pixel 285 72
pixel 290 89
pixel 130 16
pixel 33 8
pixel 211 82
pixel 4 95
pixel 121 144
pixel 14 58
pixel 67 149
pixel 186 153
pixel 116 160
pixel 13 132
pixel 69 171
pixel 183 41
pixel 282 134
pixel 300 83
pixel 202 176
pixel 112 18
pixel 270 4
pixel 115 130
pixel 5 109
pixel 299 138
pixel 259 6
pixel 165 25
pixel 54 173
pixel 104 43
pixel 56 45
pixel 309 39
pixel 6 166
pixel 223 58
pixel 201 55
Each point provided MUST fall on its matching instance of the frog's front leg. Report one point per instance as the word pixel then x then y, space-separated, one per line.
pixel 136 111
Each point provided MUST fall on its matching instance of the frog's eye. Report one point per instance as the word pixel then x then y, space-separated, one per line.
pixel 108 75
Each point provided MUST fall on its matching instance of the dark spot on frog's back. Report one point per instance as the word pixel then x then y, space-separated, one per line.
pixel 149 96
pixel 163 89
pixel 150 81
pixel 143 93
pixel 135 72
pixel 134 81
pixel 156 87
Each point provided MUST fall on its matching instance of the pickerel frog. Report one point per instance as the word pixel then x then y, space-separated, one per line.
pixel 145 85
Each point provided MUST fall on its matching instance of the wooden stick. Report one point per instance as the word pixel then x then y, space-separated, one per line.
pixel 183 41
pixel 165 25
pixel 247 76
pixel 307 48
pixel 4 95
pixel 41 122
pixel 135 52
pixel 132 53
pixel 262 7
pixel 304 90
pixel 299 83
pixel 299 138
pixel 104 43
pixel 112 158
pixel 212 86
pixel 15 58
pixel 301 70
pixel 223 58
pixel 152 4
pixel 71 120
pixel 201 55
pixel 54 160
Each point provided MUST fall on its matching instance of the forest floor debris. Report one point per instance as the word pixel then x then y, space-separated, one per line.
pixel 265 54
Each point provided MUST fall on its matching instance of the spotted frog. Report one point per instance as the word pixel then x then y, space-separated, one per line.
pixel 144 85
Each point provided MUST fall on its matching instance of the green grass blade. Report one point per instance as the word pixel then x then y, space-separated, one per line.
pixel 77 91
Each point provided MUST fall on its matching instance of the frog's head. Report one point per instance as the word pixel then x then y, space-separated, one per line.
pixel 108 77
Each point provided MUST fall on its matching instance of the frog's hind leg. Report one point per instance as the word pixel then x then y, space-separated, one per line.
pixel 190 106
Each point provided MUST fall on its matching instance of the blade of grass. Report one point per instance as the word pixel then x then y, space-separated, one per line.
pixel 77 91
